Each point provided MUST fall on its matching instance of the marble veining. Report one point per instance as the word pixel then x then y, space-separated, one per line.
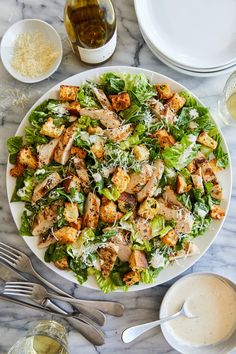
pixel 15 100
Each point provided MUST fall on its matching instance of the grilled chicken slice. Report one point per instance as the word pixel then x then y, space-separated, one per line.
pixel 44 220
pixel 121 133
pixel 46 151
pixel 43 243
pixel 209 175
pixel 170 197
pixel 45 186
pixel 183 216
pixel 91 214
pixel 197 179
pixel 144 229
pixel 102 98
pixel 156 107
pixel 139 179
pixel 62 151
pixel 82 173
pixel 108 255
pixel 149 189
pixel 120 241
pixel 107 118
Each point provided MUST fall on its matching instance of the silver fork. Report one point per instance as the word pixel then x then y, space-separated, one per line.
pixel 22 263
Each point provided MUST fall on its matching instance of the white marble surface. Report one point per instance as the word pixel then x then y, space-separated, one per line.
pixel 140 306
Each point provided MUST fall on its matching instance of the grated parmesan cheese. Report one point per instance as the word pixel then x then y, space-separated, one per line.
pixel 33 55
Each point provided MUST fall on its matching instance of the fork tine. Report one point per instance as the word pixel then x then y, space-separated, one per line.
pixel 23 283
pixel 11 263
pixel 4 245
pixel 18 290
pixel 16 293
pixel 18 286
pixel 8 252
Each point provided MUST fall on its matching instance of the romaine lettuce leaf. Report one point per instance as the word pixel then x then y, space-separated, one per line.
pixel 112 83
pixel 182 153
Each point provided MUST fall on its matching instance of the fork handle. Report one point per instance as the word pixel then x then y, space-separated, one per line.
pixel 90 332
pixel 110 307
pixel 95 314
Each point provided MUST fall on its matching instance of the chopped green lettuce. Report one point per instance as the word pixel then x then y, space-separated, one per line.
pixel 181 153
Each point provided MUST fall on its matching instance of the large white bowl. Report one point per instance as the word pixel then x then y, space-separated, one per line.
pixel 203 242
pixel 29 26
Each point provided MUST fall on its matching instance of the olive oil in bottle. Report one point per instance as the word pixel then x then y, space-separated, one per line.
pixel 91 27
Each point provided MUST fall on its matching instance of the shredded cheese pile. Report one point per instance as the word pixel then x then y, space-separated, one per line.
pixel 33 55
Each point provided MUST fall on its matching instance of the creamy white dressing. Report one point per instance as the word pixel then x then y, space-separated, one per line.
pixel 209 298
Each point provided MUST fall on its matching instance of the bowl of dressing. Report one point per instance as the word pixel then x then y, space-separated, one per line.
pixel 212 299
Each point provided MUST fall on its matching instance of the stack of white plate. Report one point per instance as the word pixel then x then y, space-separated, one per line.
pixel 195 37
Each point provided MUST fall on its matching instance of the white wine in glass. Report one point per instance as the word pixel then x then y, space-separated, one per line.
pixel 47 337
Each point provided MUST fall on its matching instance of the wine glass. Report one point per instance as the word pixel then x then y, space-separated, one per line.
pixel 46 337
pixel 227 101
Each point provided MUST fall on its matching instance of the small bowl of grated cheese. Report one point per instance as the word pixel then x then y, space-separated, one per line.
pixel 31 50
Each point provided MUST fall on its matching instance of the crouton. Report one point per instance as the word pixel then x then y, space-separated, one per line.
pixel 215 168
pixel 51 130
pixel 108 211
pixel 73 108
pixel 131 278
pixel 95 130
pixel 77 225
pixel 108 255
pixel 68 93
pixel 120 179
pixel 98 149
pixel 216 192
pixel 216 212
pixel 171 238
pixel 78 152
pixel 26 158
pixel 141 152
pixel 17 170
pixel 204 139
pixel 126 202
pixel 62 263
pixel 120 102
pixel 66 234
pixel 164 138
pixel 192 167
pixel 71 212
pixel 137 260
pixel 176 102
pixel 70 182
pixel 164 91
pixel 181 185
pixel 148 208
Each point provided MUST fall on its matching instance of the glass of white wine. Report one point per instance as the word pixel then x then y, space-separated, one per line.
pixel 227 101
pixel 47 337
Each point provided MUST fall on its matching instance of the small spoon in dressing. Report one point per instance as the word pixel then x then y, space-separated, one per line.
pixel 132 333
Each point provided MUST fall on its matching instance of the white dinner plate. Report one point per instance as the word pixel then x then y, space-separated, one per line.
pixel 182 70
pixel 198 34
pixel 203 242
